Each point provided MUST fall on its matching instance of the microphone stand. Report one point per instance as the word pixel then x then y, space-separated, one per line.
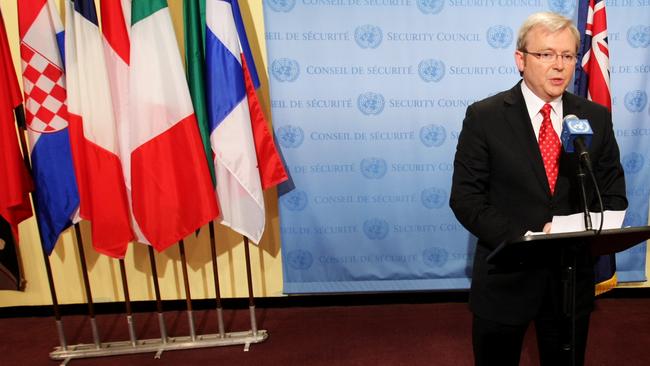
pixel 583 195
pixel 569 263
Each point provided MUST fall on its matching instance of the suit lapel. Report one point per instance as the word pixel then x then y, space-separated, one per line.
pixel 516 114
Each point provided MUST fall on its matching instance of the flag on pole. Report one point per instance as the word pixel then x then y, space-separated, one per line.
pixel 15 182
pixel 41 50
pixel 116 23
pixel 171 187
pixel 15 185
pixel 592 82
pixel 93 132
pixel 245 158
pixel 194 27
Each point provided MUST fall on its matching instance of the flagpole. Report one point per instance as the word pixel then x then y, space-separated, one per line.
pixel 156 286
pixel 127 303
pixel 20 120
pixel 217 290
pixel 251 298
pixel 89 296
pixel 186 284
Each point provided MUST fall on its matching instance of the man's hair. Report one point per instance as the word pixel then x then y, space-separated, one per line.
pixel 552 22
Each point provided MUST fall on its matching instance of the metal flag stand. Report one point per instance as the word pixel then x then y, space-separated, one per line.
pixel 165 342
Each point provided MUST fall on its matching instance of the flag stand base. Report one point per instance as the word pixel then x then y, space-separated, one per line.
pixel 157 345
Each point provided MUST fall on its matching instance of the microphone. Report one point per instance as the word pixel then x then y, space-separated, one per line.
pixel 576 137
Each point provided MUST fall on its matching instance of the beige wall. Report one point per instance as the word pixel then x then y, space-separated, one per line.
pixel 104 272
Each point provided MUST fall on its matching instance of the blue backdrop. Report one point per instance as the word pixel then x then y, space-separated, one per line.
pixel 368 97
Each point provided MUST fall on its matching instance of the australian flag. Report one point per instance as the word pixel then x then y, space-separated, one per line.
pixel 592 82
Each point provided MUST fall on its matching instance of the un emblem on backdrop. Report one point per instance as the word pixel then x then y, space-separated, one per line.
pixel 632 163
pixel 368 36
pixel 435 257
pixel 431 70
pixel 499 36
pixel 299 259
pixel 636 100
pixel 375 229
pixel 433 135
pixel 638 36
pixel 285 69
pixel 433 198
pixel 290 136
pixel 431 6
pixel 563 7
pixel 295 200
pixel 283 6
pixel 373 168
pixel 370 103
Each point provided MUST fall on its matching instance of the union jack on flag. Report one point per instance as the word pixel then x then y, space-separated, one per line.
pixel 592 77
pixel 592 82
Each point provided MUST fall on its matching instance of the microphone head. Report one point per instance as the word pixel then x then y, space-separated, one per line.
pixel 572 128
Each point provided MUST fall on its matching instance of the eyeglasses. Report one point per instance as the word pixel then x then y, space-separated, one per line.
pixel 548 57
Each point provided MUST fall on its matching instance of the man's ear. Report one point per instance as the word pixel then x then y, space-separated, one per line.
pixel 520 60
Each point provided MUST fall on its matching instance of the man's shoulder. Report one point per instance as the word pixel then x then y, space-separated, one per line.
pixel 509 96
pixel 583 102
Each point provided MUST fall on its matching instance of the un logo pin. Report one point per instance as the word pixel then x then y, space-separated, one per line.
pixel 285 69
pixel 431 6
pixel 290 136
pixel 431 70
pixel 370 103
pixel 499 36
pixel 373 168
pixel 300 259
pixel 375 229
pixel 433 135
pixel 281 6
pixel 636 100
pixel 368 36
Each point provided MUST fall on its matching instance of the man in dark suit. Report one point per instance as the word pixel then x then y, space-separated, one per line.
pixel 511 177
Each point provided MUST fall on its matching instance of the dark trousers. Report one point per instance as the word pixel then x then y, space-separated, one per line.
pixel 497 344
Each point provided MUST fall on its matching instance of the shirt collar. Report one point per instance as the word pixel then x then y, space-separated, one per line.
pixel 535 103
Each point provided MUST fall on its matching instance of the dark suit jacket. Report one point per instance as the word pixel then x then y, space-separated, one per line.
pixel 500 191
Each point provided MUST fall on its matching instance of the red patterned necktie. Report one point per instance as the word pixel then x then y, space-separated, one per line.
pixel 549 145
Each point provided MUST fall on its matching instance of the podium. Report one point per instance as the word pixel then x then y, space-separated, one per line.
pixel 531 250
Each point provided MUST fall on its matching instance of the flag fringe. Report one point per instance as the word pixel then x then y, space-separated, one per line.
pixel 606 285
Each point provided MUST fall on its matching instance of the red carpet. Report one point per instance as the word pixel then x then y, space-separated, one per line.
pixel 376 335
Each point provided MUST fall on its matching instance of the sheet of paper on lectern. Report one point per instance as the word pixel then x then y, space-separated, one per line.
pixel 576 222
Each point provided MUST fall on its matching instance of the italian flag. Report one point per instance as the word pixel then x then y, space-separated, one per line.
pixel 171 188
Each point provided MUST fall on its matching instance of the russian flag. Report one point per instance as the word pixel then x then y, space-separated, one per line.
pixel 41 41
pixel 94 136
pixel 239 134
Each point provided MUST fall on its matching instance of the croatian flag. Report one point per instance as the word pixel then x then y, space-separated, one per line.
pixel 246 160
pixel 41 41
pixel 592 82
pixel 93 132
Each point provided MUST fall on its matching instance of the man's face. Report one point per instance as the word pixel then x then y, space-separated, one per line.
pixel 547 80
